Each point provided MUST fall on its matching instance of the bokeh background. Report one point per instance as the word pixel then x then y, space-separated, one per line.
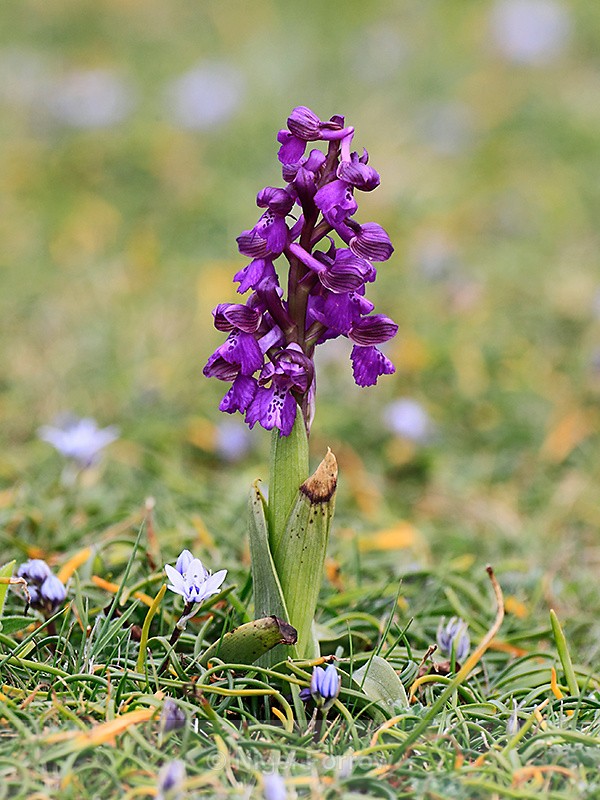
pixel 134 135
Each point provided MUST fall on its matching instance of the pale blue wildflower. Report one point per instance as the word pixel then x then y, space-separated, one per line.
pixel 407 418
pixel 92 98
pixel 170 780
pixel 206 96
pixel 80 440
pixel 530 31
pixel 192 580
pixel 274 786
pixel 454 636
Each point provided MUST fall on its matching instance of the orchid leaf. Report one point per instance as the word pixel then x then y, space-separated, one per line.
pixel 250 641
pixel 268 594
pixel 289 469
pixel 300 555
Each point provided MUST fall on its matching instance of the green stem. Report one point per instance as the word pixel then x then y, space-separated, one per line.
pixel 289 469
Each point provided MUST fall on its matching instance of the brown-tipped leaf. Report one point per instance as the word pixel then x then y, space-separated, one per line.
pixel 321 485
pixel 250 641
pixel 300 553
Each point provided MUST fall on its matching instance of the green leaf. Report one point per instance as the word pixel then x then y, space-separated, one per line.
pixel 289 469
pixel 564 654
pixel 141 662
pixel 15 623
pixel 5 572
pixel 250 641
pixel 379 681
pixel 330 640
pixel 300 553
pixel 268 594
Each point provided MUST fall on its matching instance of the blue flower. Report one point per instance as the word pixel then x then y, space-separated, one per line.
pixel 325 685
pixel 45 591
pixel 192 580
pixel 173 717
pixel 274 786
pixel 171 778
pixel 34 571
pixel 79 439
pixel 453 636
pixel 52 591
pixel 407 418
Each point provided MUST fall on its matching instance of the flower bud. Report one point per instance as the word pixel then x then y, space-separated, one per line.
pixel 34 571
pixel 454 637
pixel 52 591
pixel 325 685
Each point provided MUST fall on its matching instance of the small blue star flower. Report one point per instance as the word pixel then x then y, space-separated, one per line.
pixel 192 580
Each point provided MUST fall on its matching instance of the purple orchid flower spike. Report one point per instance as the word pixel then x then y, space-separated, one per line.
pixel 268 357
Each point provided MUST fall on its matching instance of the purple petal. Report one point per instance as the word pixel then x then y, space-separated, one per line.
pixel 252 244
pixel 276 233
pixel 314 161
pixel 345 257
pixel 242 317
pixel 35 570
pixel 336 201
pixel 242 349
pixel 368 363
pixel 253 274
pixel 360 175
pixel 341 280
pixel 278 200
pixel 330 683
pixel 341 311
pixel 273 408
pixel 52 590
pixel 347 273
pixel 217 367
pixel 294 370
pixel 228 316
pixel 304 124
pixel 316 681
pixel 239 397
pixel 372 242
pixel 305 184
pixel 292 148
pixel 373 330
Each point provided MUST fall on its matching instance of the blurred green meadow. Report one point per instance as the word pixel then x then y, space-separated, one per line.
pixel 134 136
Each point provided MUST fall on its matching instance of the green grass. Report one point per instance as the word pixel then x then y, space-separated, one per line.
pixel 115 244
